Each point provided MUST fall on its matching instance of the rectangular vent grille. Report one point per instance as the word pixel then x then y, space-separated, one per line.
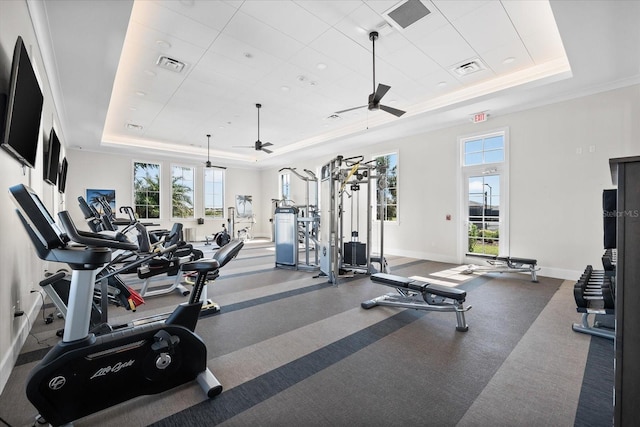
pixel 407 13
pixel 468 67
pixel 170 64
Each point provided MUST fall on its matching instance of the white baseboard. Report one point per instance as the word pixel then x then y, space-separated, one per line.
pixel 422 255
pixel 559 273
pixel 11 354
pixel 555 273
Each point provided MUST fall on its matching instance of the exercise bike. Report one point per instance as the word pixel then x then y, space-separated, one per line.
pixel 221 237
pixel 84 373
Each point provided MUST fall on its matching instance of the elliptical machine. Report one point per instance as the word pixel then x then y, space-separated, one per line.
pixel 119 366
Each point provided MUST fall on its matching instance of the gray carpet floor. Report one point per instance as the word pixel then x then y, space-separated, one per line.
pixel 291 349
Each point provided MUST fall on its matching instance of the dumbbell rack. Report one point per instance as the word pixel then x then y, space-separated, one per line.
pixel 594 293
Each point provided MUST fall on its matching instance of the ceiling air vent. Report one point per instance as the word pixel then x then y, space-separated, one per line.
pixel 170 64
pixel 406 13
pixel 468 67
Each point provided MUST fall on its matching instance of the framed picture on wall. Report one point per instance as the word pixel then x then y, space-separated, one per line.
pixel 244 208
pixel 94 196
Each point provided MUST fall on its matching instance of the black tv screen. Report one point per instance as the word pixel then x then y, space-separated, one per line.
pixel 62 179
pixel 23 109
pixel 52 159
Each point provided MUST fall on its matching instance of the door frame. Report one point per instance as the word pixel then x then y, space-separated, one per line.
pixel 465 172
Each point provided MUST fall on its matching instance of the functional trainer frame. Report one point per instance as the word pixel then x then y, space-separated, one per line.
pixel 294 224
pixel 346 177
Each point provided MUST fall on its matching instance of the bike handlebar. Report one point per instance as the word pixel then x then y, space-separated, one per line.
pixel 91 239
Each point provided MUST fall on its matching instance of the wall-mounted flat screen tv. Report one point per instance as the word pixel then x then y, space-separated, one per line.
pixel 52 159
pixel 23 109
pixel 62 179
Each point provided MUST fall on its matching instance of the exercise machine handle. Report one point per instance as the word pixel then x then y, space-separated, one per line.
pixel 53 278
pixel 91 239
pixel 310 173
pixel 129 211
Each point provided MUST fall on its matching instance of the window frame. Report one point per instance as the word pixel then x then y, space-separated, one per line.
pixel 134 192
pixel 490 168
pixel 193 191
pixel 483 151
pixel 282 177
pixel 374 188
pixel 205 195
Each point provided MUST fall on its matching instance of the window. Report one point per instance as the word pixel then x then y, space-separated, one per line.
pixel 387 207
pixel 146 189
pixel 285 186
pixel 182 180
pixel 214 193
pixel 484 214
pixel 488 149
pixel 485 176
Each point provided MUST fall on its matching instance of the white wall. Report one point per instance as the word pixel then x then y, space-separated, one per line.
pixel 20 269
pixel 107 171
pixel 555 193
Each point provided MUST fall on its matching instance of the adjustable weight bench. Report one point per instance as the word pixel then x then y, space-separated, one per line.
pixel 506 265
pixel 420 296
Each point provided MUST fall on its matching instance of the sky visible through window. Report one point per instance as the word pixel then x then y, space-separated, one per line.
pixel 484 150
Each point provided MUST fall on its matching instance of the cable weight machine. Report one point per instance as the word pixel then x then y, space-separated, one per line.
pixel 295 224
pixel 351 178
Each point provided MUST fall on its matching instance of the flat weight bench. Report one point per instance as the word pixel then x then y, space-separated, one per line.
pixel 506 265
pixel 434 297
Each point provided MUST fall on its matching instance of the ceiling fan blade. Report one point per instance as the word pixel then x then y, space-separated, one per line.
pixel 391 110
pixel 211 165
pixel 380 92
pixel 266 144
pixel 350 109
pixel 266 151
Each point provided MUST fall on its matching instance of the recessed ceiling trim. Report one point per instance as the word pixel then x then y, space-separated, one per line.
pixel 169 148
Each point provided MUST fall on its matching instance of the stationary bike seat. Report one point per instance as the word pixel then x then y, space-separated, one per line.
pixel 202 265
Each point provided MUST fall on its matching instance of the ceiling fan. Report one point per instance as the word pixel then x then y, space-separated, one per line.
pixel 208 163
pixel 379 92
pixel 259 145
